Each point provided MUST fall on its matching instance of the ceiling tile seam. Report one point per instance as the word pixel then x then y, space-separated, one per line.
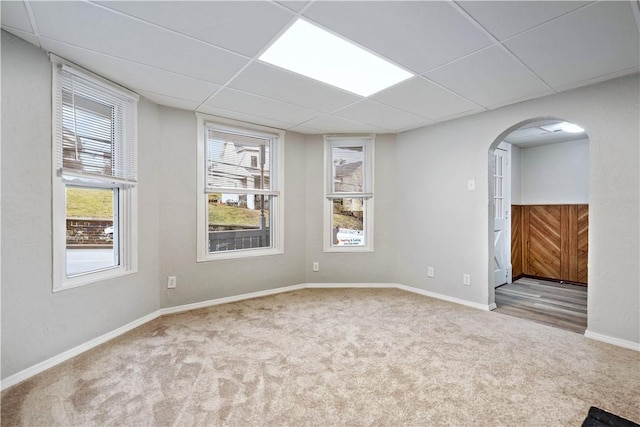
pixel 125 60
pixel 465 56
pixel 169 30
pixel 167 96
pixel 32 21
pixel 377 125
pixel 330 115
pixel 400 109
pixel 257 116
pixel 528 30
pixel 275 37
pixel 273 100
pixel 297 13
pixel 499 43
pixel 453 92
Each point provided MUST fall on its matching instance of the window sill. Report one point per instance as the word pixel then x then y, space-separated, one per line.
pixel 245 253
pixel 348 249
pixel 90 278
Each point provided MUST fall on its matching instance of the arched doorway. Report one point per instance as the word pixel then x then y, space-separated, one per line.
pixel 538 210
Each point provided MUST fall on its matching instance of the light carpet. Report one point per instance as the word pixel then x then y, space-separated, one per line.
pixel 334 357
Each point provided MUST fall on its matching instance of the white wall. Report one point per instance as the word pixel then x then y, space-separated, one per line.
pixel 555 173
pixel 216 279
pixel 516 173
pixel 343 267
pixel 448 226
pixel 36 323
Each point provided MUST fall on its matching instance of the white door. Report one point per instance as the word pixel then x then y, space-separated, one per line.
pixel 502 225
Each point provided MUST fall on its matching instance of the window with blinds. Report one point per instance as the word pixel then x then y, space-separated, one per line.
pixel 94 178
pixel 240 202
pixel 349 193
pixel 95 129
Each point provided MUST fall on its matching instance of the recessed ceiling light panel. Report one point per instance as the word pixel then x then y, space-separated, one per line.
pixel 563 126
pixel 316 53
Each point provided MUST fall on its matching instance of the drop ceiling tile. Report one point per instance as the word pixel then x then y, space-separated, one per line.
pixel 244 117
pixel 593 42
pixel 490 78
pixel 169 101
pixel 28 37
pixel 295 5
pixel 504 19
pixel 419 35
pixel 289 87
pixel 136 76
pixel 381 115
pixel 240 26
pixel 418 96
pixel 333 124
pixel 14 15
pixel 234 100
pixel 306 130
pixel 135 41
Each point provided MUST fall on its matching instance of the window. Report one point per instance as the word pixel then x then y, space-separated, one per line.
pixel 239 189
pixel 348 203
pixel 94 178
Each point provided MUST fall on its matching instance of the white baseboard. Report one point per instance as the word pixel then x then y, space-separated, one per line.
pixel 612 340
pixel 226 300
pixel 485 307
pixel 56 360
pixel 348 285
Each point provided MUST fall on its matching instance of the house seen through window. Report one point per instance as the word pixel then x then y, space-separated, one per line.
pixel 240 190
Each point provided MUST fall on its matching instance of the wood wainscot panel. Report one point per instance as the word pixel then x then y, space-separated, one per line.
pixel 551 241
pixel 544 243
pixel 516 241
pixel 583 242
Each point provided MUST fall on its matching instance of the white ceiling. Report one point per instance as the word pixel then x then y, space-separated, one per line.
pixel 468 56
pixel 540 133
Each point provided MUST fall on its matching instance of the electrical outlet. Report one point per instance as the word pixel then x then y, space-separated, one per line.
pixel 171 283
pixel 316 266
pixel 431 272
pixel 466 279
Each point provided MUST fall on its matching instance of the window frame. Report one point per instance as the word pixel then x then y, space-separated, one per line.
pixel 367 194
pixel 127 209
pixel 276 179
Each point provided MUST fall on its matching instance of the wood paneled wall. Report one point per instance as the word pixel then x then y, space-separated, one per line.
pixel 550 241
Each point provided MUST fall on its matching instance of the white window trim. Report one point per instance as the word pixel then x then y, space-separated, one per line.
pixel 203 254
pixel 127 203
pixel 367 194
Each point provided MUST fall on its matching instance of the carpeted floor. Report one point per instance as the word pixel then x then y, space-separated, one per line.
pixel 334 357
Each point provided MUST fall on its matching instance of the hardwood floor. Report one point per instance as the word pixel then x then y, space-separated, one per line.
pixel 561 305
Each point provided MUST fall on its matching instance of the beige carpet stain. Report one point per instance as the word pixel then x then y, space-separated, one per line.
pixel 334 357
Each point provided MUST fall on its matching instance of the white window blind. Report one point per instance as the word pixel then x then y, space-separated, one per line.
pixel 238 161
pixel 348 167
pixel 95 129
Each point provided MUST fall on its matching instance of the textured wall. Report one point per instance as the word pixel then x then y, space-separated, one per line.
pixel 555 173
pixel 344 267
pixel 216 279
pixel 451 232
pixel 36 323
